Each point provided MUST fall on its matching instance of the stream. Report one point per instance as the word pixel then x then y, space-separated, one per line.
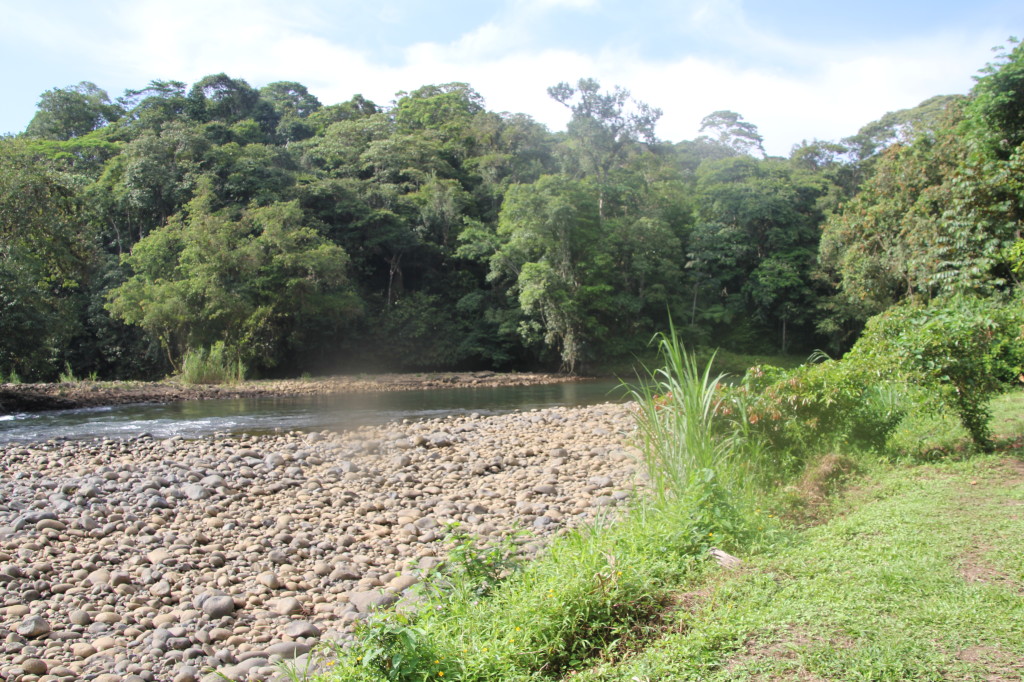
pixel 197 418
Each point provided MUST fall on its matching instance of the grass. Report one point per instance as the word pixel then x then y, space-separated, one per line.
pixel 919 578
pixel 211 366
pixel 915 573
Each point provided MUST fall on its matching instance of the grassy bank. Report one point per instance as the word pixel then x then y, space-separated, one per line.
pixel 912 573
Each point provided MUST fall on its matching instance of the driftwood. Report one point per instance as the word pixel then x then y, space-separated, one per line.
pixel 724 560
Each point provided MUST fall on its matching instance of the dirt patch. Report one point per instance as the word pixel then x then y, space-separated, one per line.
pixel 787 646
pixel 62 396
pixel 807 499
pixel 999 666
pixel 973 568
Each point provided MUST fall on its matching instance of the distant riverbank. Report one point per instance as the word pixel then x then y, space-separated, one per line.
pixel 77 394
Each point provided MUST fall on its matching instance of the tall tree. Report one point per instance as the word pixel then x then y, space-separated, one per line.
pixel 64 113
pixel 730 130
pixel 554 258
pixel 263 283
pixel 604 128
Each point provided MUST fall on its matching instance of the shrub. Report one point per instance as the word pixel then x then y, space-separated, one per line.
pixel 962 350
pixel 211 366
pixel 817 407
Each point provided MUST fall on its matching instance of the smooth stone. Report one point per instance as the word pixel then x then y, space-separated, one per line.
pixel 371 599
pixel 80 617
pixel 34 666
pixel 287 650
pixel 288 606
pixel 82 649
pixel 301 628
pixel 219 606
pixel 33 627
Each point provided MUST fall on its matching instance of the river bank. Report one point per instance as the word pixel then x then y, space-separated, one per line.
pixel 78 394
pixel 157 560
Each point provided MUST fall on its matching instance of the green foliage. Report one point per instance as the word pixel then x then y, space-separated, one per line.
pixel 212 365
pixel 73 111
pixel 677 406
pixel 818 406
pixel 68 376
pixel 876 592
pixel 552 255
pixel 261 284
pixel 962 350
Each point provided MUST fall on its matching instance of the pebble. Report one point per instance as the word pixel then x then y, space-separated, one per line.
pixel 145 559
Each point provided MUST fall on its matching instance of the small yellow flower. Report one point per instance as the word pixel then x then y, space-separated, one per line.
pixel 440 673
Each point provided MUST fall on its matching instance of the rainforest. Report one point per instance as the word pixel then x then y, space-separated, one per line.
pixel 284 236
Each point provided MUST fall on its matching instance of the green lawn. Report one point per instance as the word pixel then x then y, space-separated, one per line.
pixel 918 576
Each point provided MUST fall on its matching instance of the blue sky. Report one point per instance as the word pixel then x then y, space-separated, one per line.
pixel 795 68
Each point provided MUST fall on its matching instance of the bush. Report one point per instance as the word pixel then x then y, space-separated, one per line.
pixel 961 350
pixel 211 366
pixel 817 407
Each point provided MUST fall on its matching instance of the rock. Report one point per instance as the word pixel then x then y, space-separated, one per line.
pixel 270 579
pixel 104 643
pixel 34 627
pixel 80 617
pixel 301 628
pixel 158 556
pixel 371 599
pixel 194 491
pixel 218 606
pixel 287 650
pixel 34 666
pixel 402 582
pixel 288 606
pixel 82 649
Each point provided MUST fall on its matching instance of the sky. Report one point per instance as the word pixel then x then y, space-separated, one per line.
pixel 797 69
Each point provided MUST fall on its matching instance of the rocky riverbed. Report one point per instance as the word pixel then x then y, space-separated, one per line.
pixel 165 560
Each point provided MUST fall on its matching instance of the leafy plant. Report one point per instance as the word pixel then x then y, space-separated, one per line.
pixel 395 649
pixel 211 366
pixel 962 350
pixel 677 404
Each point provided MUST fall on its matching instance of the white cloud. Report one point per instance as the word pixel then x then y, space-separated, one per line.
pixel 833 92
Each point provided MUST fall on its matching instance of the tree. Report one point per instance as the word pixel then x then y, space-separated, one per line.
pixel 263 284
pixel 294 104
pixel 45 248
pixel 753 246
pixel 730 130
pixel 604 127
pixel 552 255
pixel 221 98
pixel 72 111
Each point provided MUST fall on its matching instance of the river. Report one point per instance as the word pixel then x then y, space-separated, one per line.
pixel 193 419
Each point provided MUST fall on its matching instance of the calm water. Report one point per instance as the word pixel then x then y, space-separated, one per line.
pixel 308 413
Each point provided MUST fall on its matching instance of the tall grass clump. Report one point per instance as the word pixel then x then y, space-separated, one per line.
pixel 692 441
pixel 211 366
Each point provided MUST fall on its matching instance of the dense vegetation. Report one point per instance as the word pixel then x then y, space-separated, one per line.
pixel 433 233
